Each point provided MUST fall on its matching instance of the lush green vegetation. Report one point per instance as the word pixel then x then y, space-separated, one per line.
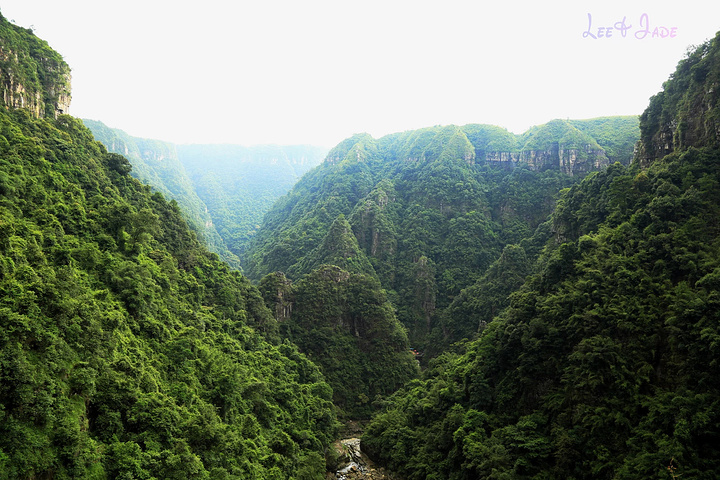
pixel 339 248
pixel 427 219
pixel 156 163
pixel 569 327
pixel 604 363
pixel 31 73
pixel 489 138
pixel 685 113
pixel 343 322
pixel 240 184
pixel 223 190
pixel 127 349
pixel 616 135
pixel 340 317
pixel 557 132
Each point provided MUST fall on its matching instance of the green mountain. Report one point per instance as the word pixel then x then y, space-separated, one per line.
pixel 413 218
pixel 561 298
pixel 32 75
pixel 339 248
pixel 240 184
pixel 685 112
pixel 339 315
pixel 223 190
pixel 603 363
pixel 617 136
pixel 344 323
pixel 156 163
pixel 127 349
pixel 430 209
pixel 575 147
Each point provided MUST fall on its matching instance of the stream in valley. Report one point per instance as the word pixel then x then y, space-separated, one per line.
pixel 355 464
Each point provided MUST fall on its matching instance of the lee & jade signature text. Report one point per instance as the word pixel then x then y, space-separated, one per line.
pixel 621 29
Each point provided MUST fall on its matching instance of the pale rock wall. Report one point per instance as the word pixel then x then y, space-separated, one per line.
pixel 572 161
pixel 17 94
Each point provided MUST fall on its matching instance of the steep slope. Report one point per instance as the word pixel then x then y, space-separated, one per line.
pixel 32 75
pixel 339 248
pixel 575 147
pixel 156 163
pixel 604 364
pixel 240 184
pixel 474 307
pixel 223 190
pixel 685 113
pixel 126 346
pixel 561 145
pixel 343 322
pixel 429 218
pixel 338 314
pixel 617 136
pixel 127 350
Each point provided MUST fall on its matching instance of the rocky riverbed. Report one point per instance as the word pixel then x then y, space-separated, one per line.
pixel 354 464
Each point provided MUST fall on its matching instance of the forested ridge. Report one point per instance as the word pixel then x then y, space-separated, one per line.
pixel 605 363
pixel 223 190
pixel 561 300
pixel 127 350
pixel 430 211
pixel 240 184
pixel 156 163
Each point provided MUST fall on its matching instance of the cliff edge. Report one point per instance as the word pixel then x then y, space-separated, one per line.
pixel 32 75
pixel 686 113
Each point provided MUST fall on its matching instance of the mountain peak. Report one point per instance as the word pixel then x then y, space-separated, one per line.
pixel 339 247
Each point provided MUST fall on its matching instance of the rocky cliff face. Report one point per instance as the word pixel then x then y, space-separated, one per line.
pixel 276 291
pixel 558 144
pixel 555 145
pixel 52 98
pixel 569 160
pixel 32 75
pixel 687 112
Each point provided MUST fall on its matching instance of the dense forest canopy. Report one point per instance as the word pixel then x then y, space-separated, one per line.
pixel 604 363
pixel 431 210
pixel 223 190
pixel 156 163
pixel 415 232
pixel 240 184
pixel 561 300
pixel 127 350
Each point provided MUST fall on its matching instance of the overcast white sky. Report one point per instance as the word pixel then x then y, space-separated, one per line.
pixel 318 71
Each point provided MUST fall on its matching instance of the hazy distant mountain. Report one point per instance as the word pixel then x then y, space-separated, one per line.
pixel 240 184
pixel 563 301
pixel 223 190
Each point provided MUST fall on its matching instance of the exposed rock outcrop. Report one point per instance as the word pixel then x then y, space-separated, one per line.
pixel 558 144
pixel 569 160
pixel 354 464
pixel 686 113
pixel 32 75
pixel 276 290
